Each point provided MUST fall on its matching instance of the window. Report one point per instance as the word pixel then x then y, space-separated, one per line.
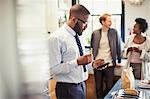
pixel 98 7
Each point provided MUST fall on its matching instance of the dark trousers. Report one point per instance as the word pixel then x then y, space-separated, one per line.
pixel 137 67
pixel 70 90
pixel 103 76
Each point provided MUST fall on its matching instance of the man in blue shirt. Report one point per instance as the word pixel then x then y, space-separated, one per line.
pixel 67 57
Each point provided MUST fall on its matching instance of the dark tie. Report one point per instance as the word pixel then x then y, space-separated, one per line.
pixel 80 48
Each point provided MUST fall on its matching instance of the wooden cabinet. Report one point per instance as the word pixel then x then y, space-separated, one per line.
pixel 91 87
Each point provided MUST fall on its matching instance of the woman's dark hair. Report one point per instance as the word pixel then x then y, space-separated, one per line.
pixel 142 23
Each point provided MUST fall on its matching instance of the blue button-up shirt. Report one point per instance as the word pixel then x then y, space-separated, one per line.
pixel 63 52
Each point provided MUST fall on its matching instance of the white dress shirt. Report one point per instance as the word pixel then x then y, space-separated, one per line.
pixel 63 52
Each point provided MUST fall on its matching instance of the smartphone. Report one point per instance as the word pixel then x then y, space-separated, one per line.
pixel 103 66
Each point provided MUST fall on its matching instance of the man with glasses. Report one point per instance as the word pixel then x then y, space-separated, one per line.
pixel 68 64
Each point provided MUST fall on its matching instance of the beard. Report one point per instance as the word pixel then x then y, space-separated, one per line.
pixel 77 29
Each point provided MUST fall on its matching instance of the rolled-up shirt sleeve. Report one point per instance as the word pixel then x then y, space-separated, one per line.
pixel 57 66
pixel 145 54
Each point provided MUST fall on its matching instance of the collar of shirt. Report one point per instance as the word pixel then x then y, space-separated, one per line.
pixel 69 29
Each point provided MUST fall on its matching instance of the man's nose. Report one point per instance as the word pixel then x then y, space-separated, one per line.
pixel 84 26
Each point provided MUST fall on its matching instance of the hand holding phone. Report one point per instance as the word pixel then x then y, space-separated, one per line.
pixel 97 63
pixel 103 66
pixel 84 60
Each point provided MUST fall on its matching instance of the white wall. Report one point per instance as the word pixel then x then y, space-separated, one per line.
pixel 148 15
pixel 9 68
pixel 34 19
pixel 32 25
pixel 52 15
pixel 135 11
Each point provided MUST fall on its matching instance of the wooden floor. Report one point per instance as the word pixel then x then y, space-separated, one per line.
pixel 90 87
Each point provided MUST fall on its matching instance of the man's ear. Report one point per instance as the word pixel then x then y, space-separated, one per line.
pixel 74 20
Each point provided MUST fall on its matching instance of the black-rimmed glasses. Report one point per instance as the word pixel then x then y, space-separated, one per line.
pixel 82 21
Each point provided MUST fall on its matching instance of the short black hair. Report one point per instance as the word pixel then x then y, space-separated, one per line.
pixel 142 23
pixel 79 9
